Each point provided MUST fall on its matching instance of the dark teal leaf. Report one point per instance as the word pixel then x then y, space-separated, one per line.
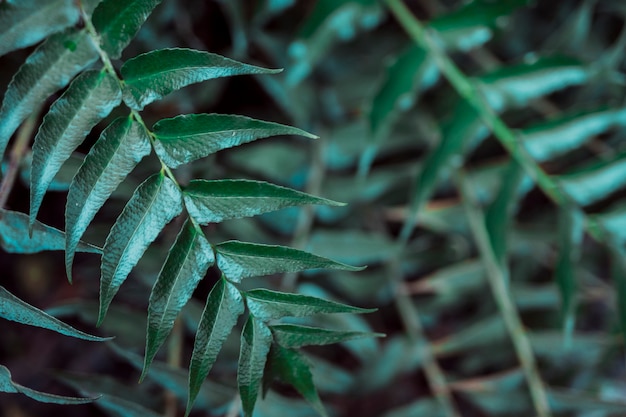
pixel 157 201
pixel 153 75
pixel 223 306
pixel 571 228
pixel 239 260
pixel 7 385
pixel 118 21
pixel 62 179
pixel 613 222
pixel 186 264
pixel 89 99
pixel 556 137
pixel 293 368
pixel 256 340
pixel 14 236
pixel 269 305
pixel 14 309
pixel 595 182
pixel 27 22
pixel 188 137
pixel 218 200
pixel 118 150
pixel 49 68
pixel 295 336
pixel 618 274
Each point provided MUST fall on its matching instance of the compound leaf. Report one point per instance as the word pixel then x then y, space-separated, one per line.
pixel 270 305
pixel 293 368
pixel 239 260
pixel 188 137
pixel 118 150
pixel 118 21
pixel 7 385
pixel 155 202
pixel 153 75
pixel 256 339
pixel 295 336
pixel 186 264
pixel 218 200
pixel 27 22
pixel 14 309
pixel 14 235
pixel 89 99
pixel 50 67
pixel 223 306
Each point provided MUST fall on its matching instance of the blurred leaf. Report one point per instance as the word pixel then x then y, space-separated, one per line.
pixel 352 246
pixel 421 407
pixel 14 309
pixel 88 99
pixel 49 68
pixel 270 305
pixel 294 336
pixel 218 200
pixel 153 205
pixel 187 263
pixel 223 306
pixel 118 21
pixel 595 182
pixel 27 22
pixel 238 260
pixel 153 75
pixel 118 150
pixel 14 236
pixel 188 137
pixel 7 385
pixel 256 340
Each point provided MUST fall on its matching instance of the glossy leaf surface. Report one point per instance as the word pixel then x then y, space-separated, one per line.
pixel 14 309
pixel 256 340
pixel 153 205
pixel 270 305
pixel 49 68
pixel 186 264
pixel 238 260
pixel 27 22
pixel 89 99
pixel 118 150
pixel 118 21
pixel 153 75
pixel 218 200
pixel 186 138
pixel 223 306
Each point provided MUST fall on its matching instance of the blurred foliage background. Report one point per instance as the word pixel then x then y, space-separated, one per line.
pixel 469 260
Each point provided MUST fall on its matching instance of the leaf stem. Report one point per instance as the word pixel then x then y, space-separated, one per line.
pixel 496 275
pixel 20 147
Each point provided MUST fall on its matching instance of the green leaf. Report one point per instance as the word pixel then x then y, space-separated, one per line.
pixel 152 206
pixel 89 99
pixel 295 336
pixel 515 86
pixel 556 137
pixel 270 305
pixel 186 264
pixel 7 385
pixel 14 236
pixel 595 182
pixel 118 21
pixel 293 368
pixel 188 137
pixel 153 75
pixel 14 309
pixel 256 340
pixel 223 306
pixel 218 200
pixel 118 150
pixel 239 260
pixel 50 67
pixel 571 228
pixel 618 274
pixel 27 22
